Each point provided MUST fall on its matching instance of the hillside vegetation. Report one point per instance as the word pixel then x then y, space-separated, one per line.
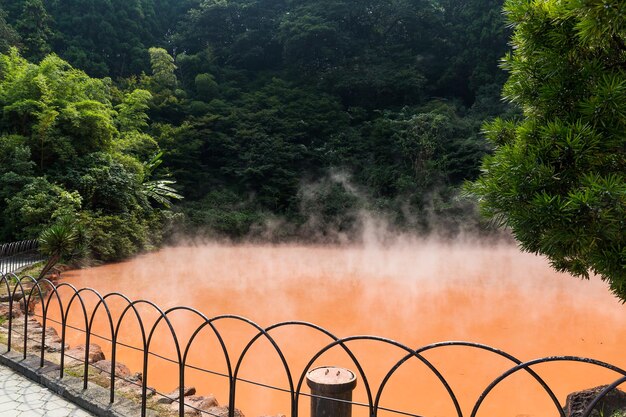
pixel 301 113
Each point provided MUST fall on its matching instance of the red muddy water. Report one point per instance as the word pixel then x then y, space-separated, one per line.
pixel 416 293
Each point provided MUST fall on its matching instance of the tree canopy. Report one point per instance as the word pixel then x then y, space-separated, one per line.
pixel 558 175
pixel 66 151
pixel 303 113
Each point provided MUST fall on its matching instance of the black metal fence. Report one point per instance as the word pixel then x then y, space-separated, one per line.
pixel 16 255
pixel 27 290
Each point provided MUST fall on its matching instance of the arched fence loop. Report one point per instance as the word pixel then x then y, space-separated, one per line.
pixel 490 349
pixel 91 306
pixel 413 353
pixel 294 399
pixel 114 335
pixel 21 297
pixel 526 365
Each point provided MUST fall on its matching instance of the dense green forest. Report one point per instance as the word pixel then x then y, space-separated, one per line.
pixel 301 113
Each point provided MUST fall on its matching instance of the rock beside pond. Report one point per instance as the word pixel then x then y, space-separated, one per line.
pixel 16 297
pixel 194 404
pixel 175 395
pixel 35 330
pixel 104 366
pixel 16 311
pixel 76 355
pixel 133 389
pixel 52 342
pixel 223 412
pixel 613 403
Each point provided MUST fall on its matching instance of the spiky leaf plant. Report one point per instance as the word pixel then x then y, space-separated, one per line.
pixel 64 239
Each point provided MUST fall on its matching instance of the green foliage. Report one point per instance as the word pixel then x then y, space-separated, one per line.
pixel 475 36
pixel 159 190
pixel 250 100
pixel 411 152
pixel 220 213
pixel 61 111
pixel 206 87
pixel 558 177
pixel 131 112
pixel 66 150
pixel 16 167
pixel 116 237
pixel 34 28
pixel 111 38
pixel 31 209
pixel 163 68
pixel 330 210
pixel 8 35
pixel 105 183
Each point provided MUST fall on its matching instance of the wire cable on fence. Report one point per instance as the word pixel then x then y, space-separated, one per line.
pixel 207 371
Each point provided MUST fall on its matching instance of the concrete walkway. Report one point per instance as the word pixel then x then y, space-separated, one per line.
pixel 21 397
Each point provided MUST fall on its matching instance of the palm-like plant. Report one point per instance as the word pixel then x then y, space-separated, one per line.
pixel 158 190
pixel 161 192
pixel 64 239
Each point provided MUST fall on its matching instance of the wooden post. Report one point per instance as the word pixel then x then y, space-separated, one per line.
pixel 331 383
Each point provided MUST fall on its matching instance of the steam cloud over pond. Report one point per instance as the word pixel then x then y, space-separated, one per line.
pixel 415 292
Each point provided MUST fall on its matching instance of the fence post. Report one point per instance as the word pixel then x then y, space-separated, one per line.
pixel 331 383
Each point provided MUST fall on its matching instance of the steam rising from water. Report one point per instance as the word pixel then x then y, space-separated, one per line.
pixel 411 290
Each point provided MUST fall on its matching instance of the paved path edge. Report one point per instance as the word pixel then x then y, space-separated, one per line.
pixel 95 399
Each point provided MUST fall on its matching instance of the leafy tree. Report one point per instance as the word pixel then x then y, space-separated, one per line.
pixel 34 28
pixel 221 211
pixel 163 68
pixel 30 210
pixel 412 151
pixel 131 112
pixel 105 182
pixel 163 84
pixel 475 38
pixel 113 237
pixel 61 111
pixel 206 87
pixel 66 148
pixel 558 176
pixel 103 37
pixel 16 166
pixel 8 35
pixel 239 32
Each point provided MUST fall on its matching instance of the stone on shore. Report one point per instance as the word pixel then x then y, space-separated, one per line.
pixel 175 395
pixel 223 412
pixel 16 297
pixel 194 404
pixel 76 355
pixel 16 311
pixel 52 342
pixel 614 403
pixel 105 366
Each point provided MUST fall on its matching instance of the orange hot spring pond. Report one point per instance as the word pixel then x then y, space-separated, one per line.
pixel 416 293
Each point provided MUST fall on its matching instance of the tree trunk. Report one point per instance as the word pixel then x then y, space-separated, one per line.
pixel 52 261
